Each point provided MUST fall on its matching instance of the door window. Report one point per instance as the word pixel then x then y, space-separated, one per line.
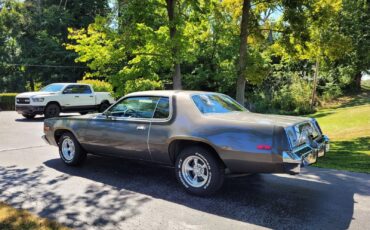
pixel 77 89
pixel 135 107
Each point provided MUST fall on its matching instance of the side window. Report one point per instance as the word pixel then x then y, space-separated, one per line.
pixel 163 108
pixel 77 89
pixel 135 107
pixel 85 89
pixel 71 89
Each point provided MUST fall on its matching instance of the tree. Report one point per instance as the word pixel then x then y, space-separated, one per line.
pixel 355 24
pixel 242 58
pixel 172 21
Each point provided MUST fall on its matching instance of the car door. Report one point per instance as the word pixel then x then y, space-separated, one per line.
pixel 86 96
pixel 69 97
pixel 123 131
pixel 78 96
pixel 160 130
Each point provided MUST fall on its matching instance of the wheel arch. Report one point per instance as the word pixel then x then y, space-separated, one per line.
pixel 177 144
pixel 53 102
pixel 59 132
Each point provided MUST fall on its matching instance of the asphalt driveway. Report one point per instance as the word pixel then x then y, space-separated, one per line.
pixel 107 193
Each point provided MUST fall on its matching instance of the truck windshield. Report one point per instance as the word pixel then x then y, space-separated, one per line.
pixel 52 88
pixel 216 103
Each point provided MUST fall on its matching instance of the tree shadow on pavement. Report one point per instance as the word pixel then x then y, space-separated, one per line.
pixel 320 199
pixel 34 191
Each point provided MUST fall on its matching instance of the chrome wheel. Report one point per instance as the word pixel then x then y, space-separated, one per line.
pixel 195 171
pixel 68 149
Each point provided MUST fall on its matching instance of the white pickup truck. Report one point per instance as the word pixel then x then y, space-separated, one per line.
pixel 62 97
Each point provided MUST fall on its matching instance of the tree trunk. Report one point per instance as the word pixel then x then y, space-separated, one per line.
pixel 242 59
pixel 32 83
pixel 357 82
pixel 315 76
pixel 176 78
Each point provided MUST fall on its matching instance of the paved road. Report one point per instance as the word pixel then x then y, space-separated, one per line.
pixel 108 193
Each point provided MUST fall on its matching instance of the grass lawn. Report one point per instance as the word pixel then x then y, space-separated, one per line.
pixel 14 219
pixel 347 123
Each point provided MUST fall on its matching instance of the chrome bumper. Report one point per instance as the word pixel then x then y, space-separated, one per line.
pixel 306 155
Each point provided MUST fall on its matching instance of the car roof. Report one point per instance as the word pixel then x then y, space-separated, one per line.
pixel 167 93
pixel 66 83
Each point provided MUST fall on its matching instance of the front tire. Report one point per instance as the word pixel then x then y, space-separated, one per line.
pixel 103 106
pixel 52 110
pixel 28 116
pixel 199 171
pixel 70 150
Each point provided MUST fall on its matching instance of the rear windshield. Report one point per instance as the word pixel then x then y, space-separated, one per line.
pixel 216 103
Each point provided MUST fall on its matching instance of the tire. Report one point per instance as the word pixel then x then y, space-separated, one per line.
pixel 83 113
pixel 103 106
pixel 70 150
pixel 204 179
pixel 52 110
pixel 28 116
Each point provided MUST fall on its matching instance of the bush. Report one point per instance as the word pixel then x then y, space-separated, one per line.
pixel 7 101
pixel 98 86
pixel 291 98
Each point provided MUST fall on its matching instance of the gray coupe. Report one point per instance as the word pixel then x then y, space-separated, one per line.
pixel 204 135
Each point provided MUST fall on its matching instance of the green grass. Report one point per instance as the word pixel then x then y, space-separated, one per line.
pixel 15 219
pixel 347 123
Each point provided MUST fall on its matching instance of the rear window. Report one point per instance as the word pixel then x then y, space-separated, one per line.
pixel 216 103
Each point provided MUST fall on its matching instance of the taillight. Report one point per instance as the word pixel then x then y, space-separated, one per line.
pixel 264 147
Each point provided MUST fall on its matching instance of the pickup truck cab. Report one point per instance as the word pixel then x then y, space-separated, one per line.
pixel 62 97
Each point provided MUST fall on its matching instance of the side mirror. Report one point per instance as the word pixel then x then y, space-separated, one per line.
pixel 108 114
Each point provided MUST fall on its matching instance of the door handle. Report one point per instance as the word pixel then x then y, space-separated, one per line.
pixel 91 96
pixel 141 127
pixel 77 96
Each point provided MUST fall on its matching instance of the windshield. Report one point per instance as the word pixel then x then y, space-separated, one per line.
pixel 216 103
pixel 52 88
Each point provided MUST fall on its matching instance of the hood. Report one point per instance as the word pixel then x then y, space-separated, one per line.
pixel 32 94
pixel 257 118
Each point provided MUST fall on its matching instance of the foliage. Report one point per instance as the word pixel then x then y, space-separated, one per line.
pixel 16 219
pixel 348 126
pixel 98 86
pixel 7 101
pixel 32 34
pixel 293 47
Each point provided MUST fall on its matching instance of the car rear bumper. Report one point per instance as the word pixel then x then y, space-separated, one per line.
pixel 29 109
pixel 293 161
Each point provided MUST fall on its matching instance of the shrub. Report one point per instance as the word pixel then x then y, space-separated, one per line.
pixel 7 101
pixel 98 86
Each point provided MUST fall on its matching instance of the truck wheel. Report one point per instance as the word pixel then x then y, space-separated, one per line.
pixel 103 106
pixel 70 150
pixel 198 171
pixel 52 110
pixel 28 116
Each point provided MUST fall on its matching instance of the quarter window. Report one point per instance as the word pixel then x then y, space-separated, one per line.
pixel 163 108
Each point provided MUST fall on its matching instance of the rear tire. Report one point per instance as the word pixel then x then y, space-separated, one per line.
pixel 52 110
pixel 70 150
pixel 199 171
pixel 28 116
pixel 103 106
